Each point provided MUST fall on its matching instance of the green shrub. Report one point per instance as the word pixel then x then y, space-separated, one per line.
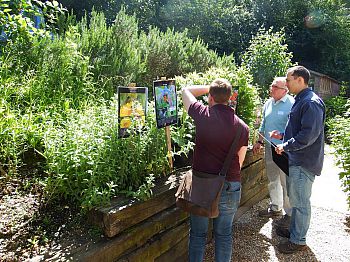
pixel 337 105
pixel 113 51
pixel 20 124
pixel 339 130
pixel 267 57
pixel 63 74
pixel 173 53
pixel 89 164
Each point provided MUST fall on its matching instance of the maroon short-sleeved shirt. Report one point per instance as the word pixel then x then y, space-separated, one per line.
pixel 215 130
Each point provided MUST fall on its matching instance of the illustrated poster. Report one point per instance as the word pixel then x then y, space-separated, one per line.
pixel 132 109
pixel 165 102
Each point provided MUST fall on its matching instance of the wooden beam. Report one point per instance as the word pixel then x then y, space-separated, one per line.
pixel 124 213
pixel 158 245
pixel 178 252
pixel 133 238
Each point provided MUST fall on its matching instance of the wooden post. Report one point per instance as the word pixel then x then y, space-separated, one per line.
pixel 168 138
pixel 168 142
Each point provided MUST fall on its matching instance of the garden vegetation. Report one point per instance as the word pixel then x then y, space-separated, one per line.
pixel 58 104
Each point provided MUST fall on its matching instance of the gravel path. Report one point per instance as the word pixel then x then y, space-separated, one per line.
pixel 255 238
pixel 328 236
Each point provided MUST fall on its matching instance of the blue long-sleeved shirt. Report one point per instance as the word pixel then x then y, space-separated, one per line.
pixel 304 134
pixel 275 116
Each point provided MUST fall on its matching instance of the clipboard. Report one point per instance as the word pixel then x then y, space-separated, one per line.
pixel 280 160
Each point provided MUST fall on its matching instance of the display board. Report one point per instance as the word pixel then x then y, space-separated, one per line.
pixel 164 92
pixel 132 109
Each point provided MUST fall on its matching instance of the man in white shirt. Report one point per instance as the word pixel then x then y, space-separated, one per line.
pixel 275 116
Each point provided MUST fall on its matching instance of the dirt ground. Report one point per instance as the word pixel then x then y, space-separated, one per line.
pixel 33 231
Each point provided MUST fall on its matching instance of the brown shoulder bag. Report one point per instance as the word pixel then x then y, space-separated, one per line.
pixel 199 192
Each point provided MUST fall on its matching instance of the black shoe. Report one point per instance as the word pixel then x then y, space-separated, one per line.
pixel 283 222
pixel 282 232
pixel 290 248
pixel 270 213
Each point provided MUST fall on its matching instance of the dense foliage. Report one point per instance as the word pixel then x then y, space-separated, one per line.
pixel 266 58
pixel 59 111
pixel 316 31
pixel 339 131
pixel 90 164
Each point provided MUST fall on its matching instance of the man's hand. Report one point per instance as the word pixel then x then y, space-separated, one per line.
pixel 276 134
pixel 279 149
pixel 256 148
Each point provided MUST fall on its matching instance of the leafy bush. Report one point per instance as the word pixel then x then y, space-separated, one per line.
pixel 20 124
pixel 119 54
pixel 337 105
pixel 113 51
pixel 339 129
pixel 174 53
pixel 89 164
pixel 17 28
pixel 266 58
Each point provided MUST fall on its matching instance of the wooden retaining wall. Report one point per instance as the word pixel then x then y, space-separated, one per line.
pixel 155 230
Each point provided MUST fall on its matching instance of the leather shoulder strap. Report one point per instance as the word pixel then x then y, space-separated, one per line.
pixel 228 159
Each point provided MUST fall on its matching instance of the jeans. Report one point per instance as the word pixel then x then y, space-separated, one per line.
pixel 277 184
pixel 222 226
pixel 299 186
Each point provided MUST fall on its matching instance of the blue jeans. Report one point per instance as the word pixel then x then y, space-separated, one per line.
pixel 299 186
pixel 222 226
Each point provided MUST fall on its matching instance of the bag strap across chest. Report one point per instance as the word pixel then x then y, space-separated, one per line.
pixel 228 158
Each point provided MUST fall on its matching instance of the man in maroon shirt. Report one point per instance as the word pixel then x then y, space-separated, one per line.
pixel 216 126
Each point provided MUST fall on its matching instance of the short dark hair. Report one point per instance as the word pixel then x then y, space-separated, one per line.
pixel 300 71
pixel 220 89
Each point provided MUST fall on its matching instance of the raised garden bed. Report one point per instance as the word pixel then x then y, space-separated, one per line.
pixel 155 230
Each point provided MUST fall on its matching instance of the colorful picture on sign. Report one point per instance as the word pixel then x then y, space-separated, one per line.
pixel 132 109
pixel 166 103
pixel 233 100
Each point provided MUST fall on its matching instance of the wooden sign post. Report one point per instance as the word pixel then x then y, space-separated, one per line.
pixel 168 139
pixel 168 142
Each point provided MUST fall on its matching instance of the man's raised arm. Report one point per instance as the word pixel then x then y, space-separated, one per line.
pixel 189 94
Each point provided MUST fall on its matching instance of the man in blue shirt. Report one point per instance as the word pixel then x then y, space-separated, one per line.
pixel 275 116
pixel 303 141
